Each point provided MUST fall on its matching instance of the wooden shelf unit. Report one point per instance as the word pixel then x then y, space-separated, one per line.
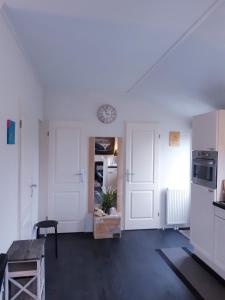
pixel 25 271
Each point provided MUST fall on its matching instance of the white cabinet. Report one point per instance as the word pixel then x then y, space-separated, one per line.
pixel 206 221
pixel 202 219
pixel 208 131
pixel 205 131
pixel 220 242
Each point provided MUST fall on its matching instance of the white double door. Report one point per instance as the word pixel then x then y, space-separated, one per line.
pixel 67 180
pixel 141 203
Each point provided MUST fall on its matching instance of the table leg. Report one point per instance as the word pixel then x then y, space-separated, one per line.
pixel 56 242
pixel 38 233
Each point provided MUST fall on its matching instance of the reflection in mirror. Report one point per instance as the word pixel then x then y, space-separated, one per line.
pixel 105 181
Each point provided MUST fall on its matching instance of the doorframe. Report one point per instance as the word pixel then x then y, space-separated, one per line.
pixel 19 233
pixel 157 160
pixel 19 206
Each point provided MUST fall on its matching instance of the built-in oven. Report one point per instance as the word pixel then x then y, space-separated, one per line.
pixel 204 168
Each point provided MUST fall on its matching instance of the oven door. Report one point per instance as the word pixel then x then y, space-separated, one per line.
pixel 204 172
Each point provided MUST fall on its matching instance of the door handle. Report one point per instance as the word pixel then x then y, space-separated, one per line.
pixel 81 175
pixel 32 186
pixel 128 175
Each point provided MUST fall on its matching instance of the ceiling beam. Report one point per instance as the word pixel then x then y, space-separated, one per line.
pixel 177 43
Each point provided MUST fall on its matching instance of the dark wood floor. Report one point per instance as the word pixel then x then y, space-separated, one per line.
pixel 126 269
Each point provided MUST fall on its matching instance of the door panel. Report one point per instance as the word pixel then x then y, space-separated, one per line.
pixel 67 206
pixel 67 153
pixel 142 204
pixel 141 207
pixel 142 173
pixel 67 202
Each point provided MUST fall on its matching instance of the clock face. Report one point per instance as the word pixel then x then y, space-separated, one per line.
pixel 106 113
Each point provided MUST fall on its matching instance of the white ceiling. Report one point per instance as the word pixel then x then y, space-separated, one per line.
pixel 108 46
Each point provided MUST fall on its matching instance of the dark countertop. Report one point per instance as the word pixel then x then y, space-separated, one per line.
pixel 220 204
pixel 3 261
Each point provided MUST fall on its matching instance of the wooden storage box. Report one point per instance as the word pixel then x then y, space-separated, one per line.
pixel 107 227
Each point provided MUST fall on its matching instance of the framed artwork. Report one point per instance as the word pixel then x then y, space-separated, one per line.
pixel 104 145
pixel 174 138
pixel 11 132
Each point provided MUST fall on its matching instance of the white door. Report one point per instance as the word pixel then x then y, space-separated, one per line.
pixel 67 201
pixel 142 204
pixel 29 176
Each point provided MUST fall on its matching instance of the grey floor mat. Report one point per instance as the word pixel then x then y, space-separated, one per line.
pixel 202 283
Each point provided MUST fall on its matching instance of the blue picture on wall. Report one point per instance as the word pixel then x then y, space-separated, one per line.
pixel 11 132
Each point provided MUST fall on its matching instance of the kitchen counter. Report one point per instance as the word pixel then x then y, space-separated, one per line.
pixel 220 204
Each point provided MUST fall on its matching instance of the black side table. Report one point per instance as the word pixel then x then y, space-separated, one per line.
pixel 49 224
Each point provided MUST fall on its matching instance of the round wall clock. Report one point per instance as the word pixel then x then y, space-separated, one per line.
pixel 106 113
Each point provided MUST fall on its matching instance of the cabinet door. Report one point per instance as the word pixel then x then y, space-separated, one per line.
pixel 202 219
pixel 220 242
pixel 204 131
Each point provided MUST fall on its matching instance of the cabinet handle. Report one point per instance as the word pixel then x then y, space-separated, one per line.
pixel 211 191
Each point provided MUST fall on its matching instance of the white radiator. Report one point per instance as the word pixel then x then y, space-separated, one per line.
pixel 177 207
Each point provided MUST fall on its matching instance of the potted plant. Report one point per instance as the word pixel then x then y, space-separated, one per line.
pixel 108 199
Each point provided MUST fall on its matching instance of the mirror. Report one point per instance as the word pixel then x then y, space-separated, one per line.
pixel 105 168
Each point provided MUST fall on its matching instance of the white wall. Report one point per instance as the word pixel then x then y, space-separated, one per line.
pixel 20 91
pixel 174 162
